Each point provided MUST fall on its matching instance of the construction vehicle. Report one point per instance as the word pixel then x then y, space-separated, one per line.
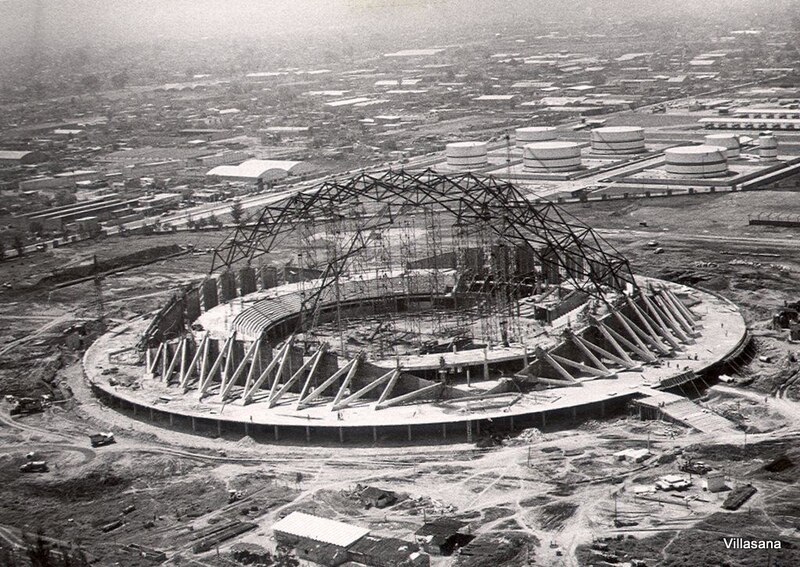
pixel 234 495
pixel 26 406
pixel 34 466
pixel 694 467
pixel 101 439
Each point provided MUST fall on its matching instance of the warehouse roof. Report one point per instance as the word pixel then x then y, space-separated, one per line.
pixel 319 529
pixel 255 168
pixel 12 155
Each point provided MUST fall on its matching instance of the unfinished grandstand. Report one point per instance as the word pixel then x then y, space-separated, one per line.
pixel 410 304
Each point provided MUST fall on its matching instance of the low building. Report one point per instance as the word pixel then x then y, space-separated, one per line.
pixel 377 497
pixel 161 201
pixel 255 170
pixel 715 482
pixel 633 455
pixel 442 536
pixel 317 539
pixel 13 157
pixel 332 543
pixel 387 552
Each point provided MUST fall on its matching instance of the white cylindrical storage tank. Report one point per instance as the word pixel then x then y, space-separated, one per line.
pixel 696 161
pixel 767 146
pixel 618 140
pixel 530 134
pixel 551 156
pixel 467 155
pixel 728 141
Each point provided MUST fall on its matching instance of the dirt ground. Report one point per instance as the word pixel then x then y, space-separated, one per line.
pixel 549 494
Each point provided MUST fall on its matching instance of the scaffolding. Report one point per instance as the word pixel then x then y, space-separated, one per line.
pixel 405 233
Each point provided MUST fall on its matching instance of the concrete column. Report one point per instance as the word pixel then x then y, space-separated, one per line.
pixel 574 413
pixel 192 305
pixel 227 286
pixel 341 434
pixel 275 432
pixel 194 425
pixel 374 434
pixel 444 431
pixel 135 406
pixel 151 414
pixel 308 434
pixel 269 277
pixel 544 419
pixel 512 422
pixel 209 292
pixel 409 432
pixel 246 428
pixel 219 428
pixel 478 427
pixel 468 377
pixel 469 431
pixel 485 363
pixel 171 419
pixel 247 280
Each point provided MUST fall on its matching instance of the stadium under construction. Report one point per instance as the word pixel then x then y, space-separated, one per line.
pixel 407 305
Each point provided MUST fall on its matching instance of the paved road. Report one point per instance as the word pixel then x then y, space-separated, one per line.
pixel 766 243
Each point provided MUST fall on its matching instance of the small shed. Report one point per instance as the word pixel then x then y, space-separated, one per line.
pixel 375 497
pixel 715 482
pixel 442 536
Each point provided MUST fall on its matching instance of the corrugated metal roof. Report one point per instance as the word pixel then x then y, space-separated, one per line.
pixel 254 168
pixel 13 155
pixel 319 529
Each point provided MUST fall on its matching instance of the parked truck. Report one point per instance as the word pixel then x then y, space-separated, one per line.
pixel 101 439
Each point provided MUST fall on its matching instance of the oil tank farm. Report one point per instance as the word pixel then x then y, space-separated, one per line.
pixel 696 161
pixel 618 140
pixel 728 141
pixel 551 156
pixel 467 155
pixel 530 134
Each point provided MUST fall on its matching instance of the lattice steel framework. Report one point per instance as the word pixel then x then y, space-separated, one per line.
pixel 370 204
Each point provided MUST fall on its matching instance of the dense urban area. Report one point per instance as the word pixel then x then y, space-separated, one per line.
pixel 408 284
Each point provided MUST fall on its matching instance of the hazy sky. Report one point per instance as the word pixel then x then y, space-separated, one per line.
pixel 84 22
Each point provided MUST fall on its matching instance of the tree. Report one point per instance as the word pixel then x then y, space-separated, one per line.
pixel 36 228
pixel 91 82
pixel 237 212
pixel 18 244
pixel 119 80
pixel 285 558
pixel 62 198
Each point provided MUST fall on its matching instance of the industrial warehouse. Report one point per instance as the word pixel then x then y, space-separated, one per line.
pixel 399 284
